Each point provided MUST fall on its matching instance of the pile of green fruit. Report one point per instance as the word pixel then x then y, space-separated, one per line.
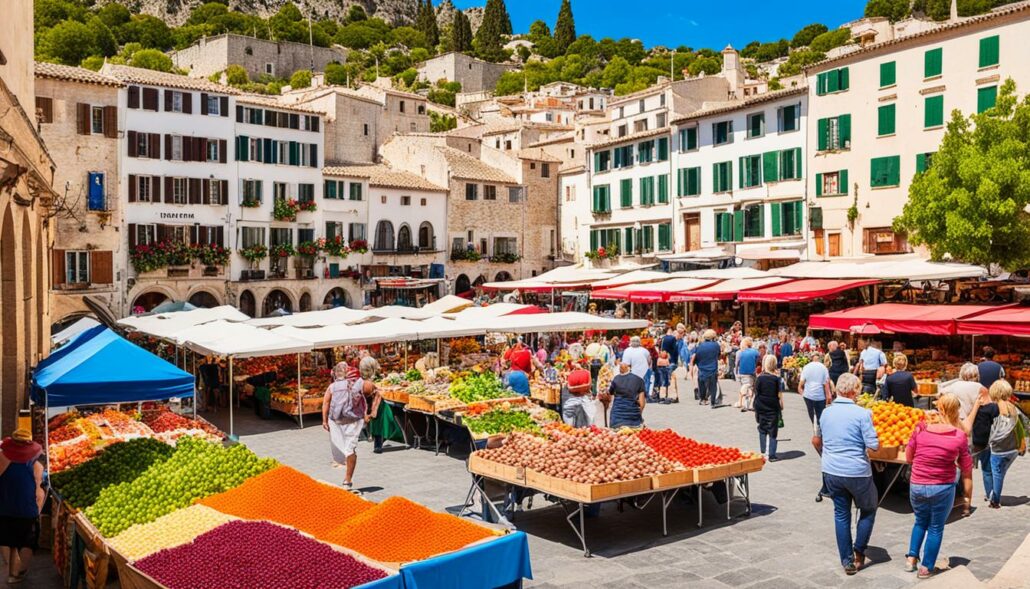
pixel 500 421
pixel 413 375
pixel 196 469
pixel 121 463
pixel 481 386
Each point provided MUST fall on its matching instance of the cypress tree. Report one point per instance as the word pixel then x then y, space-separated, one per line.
pixel 461 32
pixel 488 38
pixel 565 28
pixel 505 19
pixel 432 29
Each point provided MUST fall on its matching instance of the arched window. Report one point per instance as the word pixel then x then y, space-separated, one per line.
pixel 247 304
pixel 426 239
pixel 203 299
pixel 404 238
pixel 384 236
pixel 277 301
pixel 462 284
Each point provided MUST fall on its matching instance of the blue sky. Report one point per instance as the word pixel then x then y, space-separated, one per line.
pixel 685 22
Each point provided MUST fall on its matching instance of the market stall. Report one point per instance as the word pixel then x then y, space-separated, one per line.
pixel 802 290
pixel 900 318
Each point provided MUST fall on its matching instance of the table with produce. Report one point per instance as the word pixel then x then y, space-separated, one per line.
pixel 578 467
pixel 196 515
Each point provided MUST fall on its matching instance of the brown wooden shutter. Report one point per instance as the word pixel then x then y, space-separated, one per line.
pixel 202 234
pixel 132 235
pixel 222 151
pixel 101 265
pixel 223 104
pixel 205 196
pixel 45 108
pixel 111 122
pixel 169 192
pixel 270 118
pixel 187 149
pixel 194 185
pixel 155 146
pixel 187 102
pixel 82 118
pixel 132 144
pixel 201 149
pixel 150 99
pixel 168 147
pixel 168 101
pixel 220 235
pixel 203 103
pixel 58 267
pixel 161 233
pixel 224 192
pixel 132 188
pixel 133 96
pixel 239 113
pixel 155 189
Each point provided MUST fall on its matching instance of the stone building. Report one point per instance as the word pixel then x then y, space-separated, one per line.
pixel 78 115
pixel 352 121
pixel 276 59
pixel 474 75
pixel 26 198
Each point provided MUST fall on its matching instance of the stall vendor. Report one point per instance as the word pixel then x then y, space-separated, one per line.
pixel 517 381
pixel 871 365
pixel 578 406
pixel 627 390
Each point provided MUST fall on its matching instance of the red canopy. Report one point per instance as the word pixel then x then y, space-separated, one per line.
pixel 801 290
pixel 1007 320
pixel 653 292
pixel 900 318
pixel 727 289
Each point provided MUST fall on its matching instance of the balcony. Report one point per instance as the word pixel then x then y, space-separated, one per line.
pixel 406 249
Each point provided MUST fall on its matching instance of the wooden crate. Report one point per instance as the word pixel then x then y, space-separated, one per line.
pixel 395 394
pixel 674 479
pixel 712 473
pixel 419 403
pixel 549 395
pixel 495 470
pixel 887 454
pixel 748 465
pixel 585 492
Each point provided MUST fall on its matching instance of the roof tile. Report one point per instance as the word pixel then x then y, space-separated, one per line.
pixel 383 176
pixel 135 75
pixel 57 71
pixel 466 167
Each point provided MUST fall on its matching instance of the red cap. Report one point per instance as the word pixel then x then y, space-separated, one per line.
pixel 579 380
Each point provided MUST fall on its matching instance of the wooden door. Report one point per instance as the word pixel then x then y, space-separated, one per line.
pixel 834 246
pixel 692 227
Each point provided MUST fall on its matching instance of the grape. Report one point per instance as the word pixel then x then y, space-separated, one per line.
pixel 80 486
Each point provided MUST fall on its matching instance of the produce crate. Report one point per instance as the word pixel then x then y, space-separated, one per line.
pixel 585 492
pixel 674 479
pixel 310 405
pixel 420 403
pixel 748 465
pixel 395 394
pixel 495 470
pixel 708 474
pixel 888 454
pixel 549 394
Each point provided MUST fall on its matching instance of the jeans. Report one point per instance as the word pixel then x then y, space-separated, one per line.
pixel 844 491
pixel 931 505
pixel 662 377
pixel 709 387
pixel 772 444
pixel 648 382
pixel 1000 464
pixel 731 364
pixel 983 460
pixel 815 409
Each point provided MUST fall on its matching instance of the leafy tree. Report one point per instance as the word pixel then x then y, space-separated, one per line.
pixel 797 60
pixel 565 27
pixel 93 62
pixel 894 10
pixel 407 77
pixel 585 46
pixel 48 13
pixel 149 31
pixel 751 49
pixel 708 65
pixel 830 39
pixel 803 37
pixel 207 13
pixel 301 79
pixel 489 38
pixel 524 53
pixel 505 18
pixel 355 14
pixel 441 96
pixel 425 22
pixel 972 202
pixel 771 51
pixel 975 7
pixel 363 34
pixel 438 123
pixel 461 32
pixel 615 72
pixel 419 54
pixel 104 43
pixel 151 59
pixel 410 37
pixel 67 42
pixel 114 15
pixel 632 50
pixel 538 29
pixel 288 24
pixel 236 75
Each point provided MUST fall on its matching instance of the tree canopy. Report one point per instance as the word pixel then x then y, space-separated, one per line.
pixel 803 37
pixel 565 27
pixel 971 203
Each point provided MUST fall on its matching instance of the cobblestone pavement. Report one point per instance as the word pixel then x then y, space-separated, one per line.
pixel 787 541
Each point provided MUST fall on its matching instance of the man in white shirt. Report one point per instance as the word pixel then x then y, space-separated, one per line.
pixel 638 359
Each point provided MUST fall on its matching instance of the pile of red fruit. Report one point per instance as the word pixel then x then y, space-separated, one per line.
pixel 690 453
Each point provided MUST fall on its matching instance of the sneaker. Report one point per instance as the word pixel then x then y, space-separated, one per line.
pixel 774 459
pixel 859 560
pixel 850 569
pixel 676 400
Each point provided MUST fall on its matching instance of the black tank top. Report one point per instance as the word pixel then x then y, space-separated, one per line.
pixel 838 361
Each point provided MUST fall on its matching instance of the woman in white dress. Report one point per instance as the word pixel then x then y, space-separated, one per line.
pixel 343 416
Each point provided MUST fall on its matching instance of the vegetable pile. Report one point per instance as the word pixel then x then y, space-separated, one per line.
pixel 501 421
pixel 690 453
pixel 478 386
pixel 167 531
pixel 80 486
pixel 256 555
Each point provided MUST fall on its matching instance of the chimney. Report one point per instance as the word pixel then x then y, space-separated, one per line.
pixel 732 71
pixel 954 11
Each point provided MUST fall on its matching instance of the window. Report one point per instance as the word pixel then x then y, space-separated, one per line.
pixel 626 192
pixel 989 51
pixel 213 104
pixel 176 143
pixel 252 191
pixel 180 191
pixel 724 222
pixel 384 236
pixel 279 191
pixel 832 81
pixel 426 239
pixel 146 234
pixel 176 105
pixel 402 106
pixel 647 191
pixel 143 184
pixel 280 152
pixel 750 171
pixel 834 133
pixel 665 237
pixel 754 221
pixel 422 108
pixel 178 233
pixel 722 177
pixel 405 201
pixel 663 149
pixel 365 130
pixel 515 194
pixel 623 131
pixel 885 171
pixel 885 120
pixel 505 245
pixel 722 132
pixel 356 231
pixel 545 170
pixel 756 124
pixel 831 183
pixel 96 120
pixel 688 182
pixel 270 69
pixel 96 198
pixel 76 267
pixel 986 98
pixel 623 157
pixel 489 192
pixel 641 106
pixel 212 151
pixel 333 229
pixel 306 192
pixel 355 191
pixel 888 74
pixel 602 199
pixel 660 119
pixel 786 217
pixel 789 118
pixel 663 189
pixel 688 139
pixel 214 193
pixel 471 191
pixel 142 145
pixel 645 152
pixel 329 189
pixel 933 111
pixel 933 62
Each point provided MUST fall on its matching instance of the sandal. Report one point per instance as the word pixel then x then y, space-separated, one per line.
pixel 15 579
pixel 912 564
pixel 924 573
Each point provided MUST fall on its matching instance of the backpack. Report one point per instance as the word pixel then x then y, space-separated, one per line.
pixel 348 402
pixel 1003 437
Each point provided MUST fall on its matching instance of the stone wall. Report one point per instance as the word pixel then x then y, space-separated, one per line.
pixel 213 54
pixel 474 75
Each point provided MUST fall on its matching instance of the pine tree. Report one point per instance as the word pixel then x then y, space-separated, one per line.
pixel 426 22
pixel 461 32
pixel 488 41
pixel 565 28
pixel 505 19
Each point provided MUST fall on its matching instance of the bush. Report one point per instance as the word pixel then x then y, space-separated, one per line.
pixel 69 42
pixel 236 75
pixel 151 59
pixel 301 79
pixel 830 39
pixel 803 37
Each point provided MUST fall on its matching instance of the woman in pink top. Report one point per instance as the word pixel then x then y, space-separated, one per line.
pixel 934 451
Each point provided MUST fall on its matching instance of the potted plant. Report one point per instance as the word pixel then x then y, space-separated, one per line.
pixel 254 253
pixel 250 203
pixel 282 250
pixel 359 246
pixel 285 209
pixel 505 258
pixel 308 206
pixel 334 247
pixel 308 248
pixel 147 257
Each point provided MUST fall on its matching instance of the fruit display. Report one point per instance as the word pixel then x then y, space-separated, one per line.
pixel 80 486
pixel 501 421
pixel 196 469
pixel 895 422
pixel 690 453
pixel 289 497
pixel 796 362
pixel 168 531
pixel 464 346
pixel 71 454
pixel 168 426
pixel 256 555
pixel 399 530
pixel 478 386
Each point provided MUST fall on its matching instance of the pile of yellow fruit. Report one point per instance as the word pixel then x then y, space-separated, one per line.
pixel 895 422
pixel 178 527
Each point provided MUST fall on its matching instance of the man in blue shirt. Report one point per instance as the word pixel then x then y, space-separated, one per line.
pixel 872 363
pixel 845 434
pixel 517 381
pixel 706 357
pixel 990 370
pixel 747 365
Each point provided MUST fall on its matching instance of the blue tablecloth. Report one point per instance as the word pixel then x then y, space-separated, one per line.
pixel 391 582
pixel 485 566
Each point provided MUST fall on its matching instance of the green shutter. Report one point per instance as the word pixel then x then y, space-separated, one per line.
pixel 842 182
pixel 818 184
pixel 770 167
pixel 593 240
pixel 989 51
pixel 664 233
pixel 597 161
pixel 885 119
pixel 692 138
pixel 774 214
pixel 626 193
pixel 933 61
pixel 845 81
pixel 330 189
pixel 694 181
pixel 797 163
pixel 833 81
pixel 681 183
pixel 738 225
pixel 741 179
pixel 663 188
pixel 715 178
pixel 823 130
pixel 986 98
pixel 628 240
pixel 799 216
pixel 920 162
pixel 815 217
pixel 663 149
pixel 933 111
pixel 876 172
pixel 894 170
pixel 888 74
pixel 844 129
pixel 820 85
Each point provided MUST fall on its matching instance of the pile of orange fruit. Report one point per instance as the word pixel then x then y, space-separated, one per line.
pixel 895 422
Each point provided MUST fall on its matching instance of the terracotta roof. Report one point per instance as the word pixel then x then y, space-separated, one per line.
pixel 739 104
pixel 57 71
pixel 961 24
pixel 135 75
pixel 537 154
pixel 383 176
pixel 571 169
pixel 633 137
pixel 556 139
pixel 466 167
pixel 649 91
pixel 268 101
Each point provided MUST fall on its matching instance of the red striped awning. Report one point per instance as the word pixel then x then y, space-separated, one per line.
pixel 901 318
pixel 655 292
pixel 802 290
pixel 728 289
pixel 1007 320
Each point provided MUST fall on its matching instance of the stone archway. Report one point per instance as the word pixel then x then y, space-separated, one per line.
pixel 305 302
pixel 462 284
pixel 276 299
pixel 336 297
pixel 480 281
pixel 502 276
pixel 9 325
pixel 203 298
pixel 148 300
pixel 247 304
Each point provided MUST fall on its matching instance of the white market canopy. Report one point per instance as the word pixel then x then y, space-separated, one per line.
pixel 74 329
pixel 634 277
pixel 167 325
pixel 239 340
pixel 363 334
pixel 488 312
pixel 722 273
pixel 902 267
pixel 561 322
pixel 557 279
pixel 334 316
pixel 447 304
